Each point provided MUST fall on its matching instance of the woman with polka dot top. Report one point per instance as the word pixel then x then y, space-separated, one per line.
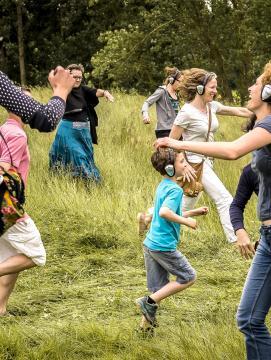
pixel 42 117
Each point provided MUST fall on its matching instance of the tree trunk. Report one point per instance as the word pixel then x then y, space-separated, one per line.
pixel 20 41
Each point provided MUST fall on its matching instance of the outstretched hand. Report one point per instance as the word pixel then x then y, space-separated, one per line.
pixel 168 142
pixel 203 210
pixel 61 81
pixel 108 96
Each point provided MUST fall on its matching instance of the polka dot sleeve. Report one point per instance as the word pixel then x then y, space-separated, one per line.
pixel 42 117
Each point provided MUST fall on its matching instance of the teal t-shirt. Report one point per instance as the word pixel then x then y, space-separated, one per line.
pixel 164 235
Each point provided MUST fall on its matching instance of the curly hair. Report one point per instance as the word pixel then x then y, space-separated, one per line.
pixel 190 79
pixel 163 157
pixel 79 67
pixel 266 79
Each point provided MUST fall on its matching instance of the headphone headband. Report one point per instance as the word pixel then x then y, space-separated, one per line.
pixel 170 169
pixel 173 77
pixel 266 93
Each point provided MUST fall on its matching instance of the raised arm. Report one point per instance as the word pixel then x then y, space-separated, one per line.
pixel 106 94
pixel 42 117
pixel 253 140
pixel 234 111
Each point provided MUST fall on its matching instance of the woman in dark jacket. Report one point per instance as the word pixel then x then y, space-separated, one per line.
pixel 72 148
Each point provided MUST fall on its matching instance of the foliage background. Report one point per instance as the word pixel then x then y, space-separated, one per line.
pixel 127 43
pixel 81 304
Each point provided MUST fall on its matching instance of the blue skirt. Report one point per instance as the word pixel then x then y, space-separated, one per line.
pixel 72 150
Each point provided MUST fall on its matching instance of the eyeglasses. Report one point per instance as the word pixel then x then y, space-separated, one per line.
pixel 79 78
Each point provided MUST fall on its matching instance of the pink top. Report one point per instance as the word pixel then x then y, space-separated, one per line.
pixel 16 151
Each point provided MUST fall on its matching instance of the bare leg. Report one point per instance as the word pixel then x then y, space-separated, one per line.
pixel 7 283
pixel 15 264
pixel 169 289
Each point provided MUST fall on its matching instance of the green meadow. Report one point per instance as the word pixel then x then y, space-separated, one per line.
pixel 81 304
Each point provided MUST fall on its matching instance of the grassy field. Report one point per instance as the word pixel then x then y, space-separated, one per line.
pixel 81 304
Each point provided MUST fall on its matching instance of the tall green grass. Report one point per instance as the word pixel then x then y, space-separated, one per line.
pixel 81 304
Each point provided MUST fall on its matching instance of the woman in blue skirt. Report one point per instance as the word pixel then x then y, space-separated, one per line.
pixel 72 148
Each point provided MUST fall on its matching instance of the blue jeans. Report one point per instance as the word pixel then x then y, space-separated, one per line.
pixel 256 301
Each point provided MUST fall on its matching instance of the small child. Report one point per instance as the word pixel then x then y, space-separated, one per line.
pixel 161 256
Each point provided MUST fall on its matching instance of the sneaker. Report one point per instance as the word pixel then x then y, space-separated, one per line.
pixel 142 226
pixel 148 310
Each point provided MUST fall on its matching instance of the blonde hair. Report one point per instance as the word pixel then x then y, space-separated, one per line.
pixel 191 78
pixel 266 79
pixel 171 71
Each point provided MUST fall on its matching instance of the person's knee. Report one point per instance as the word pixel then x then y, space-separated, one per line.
pixel 247 323
pixel 193 278
pixel 189 280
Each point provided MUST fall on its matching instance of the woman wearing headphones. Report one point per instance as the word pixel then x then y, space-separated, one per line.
pixel 167 103
pixel 197 121
pixel 256 298
pixel 167 107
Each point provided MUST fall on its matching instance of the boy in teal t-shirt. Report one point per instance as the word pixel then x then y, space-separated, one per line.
pixel 160 254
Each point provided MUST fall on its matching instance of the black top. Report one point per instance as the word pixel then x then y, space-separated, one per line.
pixel 42 117
pixel 80 107
pixel 248 183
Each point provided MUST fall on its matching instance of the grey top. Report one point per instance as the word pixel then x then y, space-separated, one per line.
pixel 261 164
pixel 164 110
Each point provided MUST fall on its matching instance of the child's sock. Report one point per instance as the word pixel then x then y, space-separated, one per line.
pixel 150 300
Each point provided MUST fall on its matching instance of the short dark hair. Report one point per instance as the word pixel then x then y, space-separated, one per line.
pixel 79 67
pixel 163 157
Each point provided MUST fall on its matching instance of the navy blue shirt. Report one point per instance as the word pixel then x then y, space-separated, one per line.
pixel 248 183
pixel 42 117
pixel 261 163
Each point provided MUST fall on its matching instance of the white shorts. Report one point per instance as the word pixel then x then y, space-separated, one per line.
pixel 23 238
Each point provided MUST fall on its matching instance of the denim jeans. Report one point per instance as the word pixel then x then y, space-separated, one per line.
pixel 256 301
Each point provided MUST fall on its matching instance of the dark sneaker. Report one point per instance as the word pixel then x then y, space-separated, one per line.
pixel 148 310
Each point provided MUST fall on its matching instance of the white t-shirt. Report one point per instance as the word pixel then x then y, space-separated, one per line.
pixel 195 124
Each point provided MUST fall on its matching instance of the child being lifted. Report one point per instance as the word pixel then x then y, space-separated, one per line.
pixel 160 253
